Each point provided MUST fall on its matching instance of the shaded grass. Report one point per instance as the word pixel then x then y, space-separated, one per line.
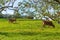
pixel 32 36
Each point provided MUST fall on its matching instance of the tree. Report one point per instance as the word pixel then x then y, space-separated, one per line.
pixel 40 6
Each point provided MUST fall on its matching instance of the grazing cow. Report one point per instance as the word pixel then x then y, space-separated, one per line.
pixel 12 20
pixel 48 21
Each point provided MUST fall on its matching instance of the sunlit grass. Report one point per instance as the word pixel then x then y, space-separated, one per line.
pixel 28 30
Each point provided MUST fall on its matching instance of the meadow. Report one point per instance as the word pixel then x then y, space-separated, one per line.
pixel 27 29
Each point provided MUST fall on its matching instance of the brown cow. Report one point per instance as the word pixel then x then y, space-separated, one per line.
pixel 49 23
pixel 12 20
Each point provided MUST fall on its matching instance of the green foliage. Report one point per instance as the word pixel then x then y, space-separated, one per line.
pixel 1 1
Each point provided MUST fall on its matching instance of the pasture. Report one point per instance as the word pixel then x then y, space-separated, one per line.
pixel 27 29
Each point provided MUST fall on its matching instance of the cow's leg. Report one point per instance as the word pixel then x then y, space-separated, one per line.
pixel 43 24
pixel 53 26
pixel 14 22
pixel 11 21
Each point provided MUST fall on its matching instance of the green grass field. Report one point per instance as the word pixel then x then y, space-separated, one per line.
pixel 25 29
